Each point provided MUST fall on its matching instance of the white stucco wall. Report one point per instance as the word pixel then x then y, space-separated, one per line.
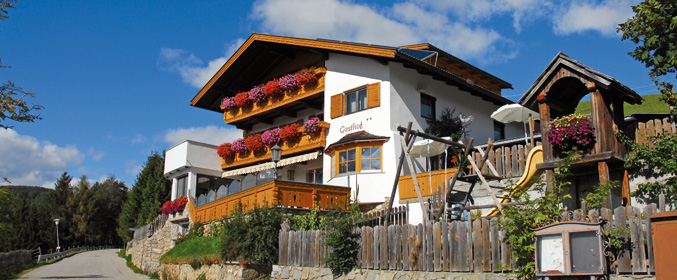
pixel 191 158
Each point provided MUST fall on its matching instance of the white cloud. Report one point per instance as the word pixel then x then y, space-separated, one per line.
pixel 191 68
pixel 139 139
pixel 208 134
pixel 27 161
pixel 602 17
pixel 132 168
pixel 96 155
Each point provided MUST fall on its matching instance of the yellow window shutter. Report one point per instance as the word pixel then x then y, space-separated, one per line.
pixel 374 95
pixel 337 105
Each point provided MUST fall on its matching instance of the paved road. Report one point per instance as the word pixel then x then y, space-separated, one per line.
pixel 101 264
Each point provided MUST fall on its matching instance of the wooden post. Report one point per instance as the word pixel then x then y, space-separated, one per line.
pixel 603 169
pixel 486 185
pixel 397 173
pixel 413 178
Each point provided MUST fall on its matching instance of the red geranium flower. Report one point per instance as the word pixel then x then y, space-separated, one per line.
pixel 290 132
pixel 242 99
pixel 255 143
pixel 272 88
pixel 225 151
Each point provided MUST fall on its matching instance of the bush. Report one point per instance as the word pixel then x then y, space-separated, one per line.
pixel 340 235
pixel 251 237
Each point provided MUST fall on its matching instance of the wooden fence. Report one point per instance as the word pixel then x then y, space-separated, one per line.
pixel 473 245
pixel 398 216
pixel 509 161
pixel 653 128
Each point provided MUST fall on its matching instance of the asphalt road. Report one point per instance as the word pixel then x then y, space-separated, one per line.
pixel 101 264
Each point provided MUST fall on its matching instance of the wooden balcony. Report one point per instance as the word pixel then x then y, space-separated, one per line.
pixel 437 177
pixel 277 193
pixel 287 104
pixel 303 144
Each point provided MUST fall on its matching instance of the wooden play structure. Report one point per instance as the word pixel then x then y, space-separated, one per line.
pixel 557 92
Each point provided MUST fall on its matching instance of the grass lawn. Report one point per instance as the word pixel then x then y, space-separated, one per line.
pixel 651 104
pixel 200 249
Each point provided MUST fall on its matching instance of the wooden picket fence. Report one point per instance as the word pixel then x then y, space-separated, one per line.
pixel 652 128
pixel 509 161
pixel 473 245
pixel 398 216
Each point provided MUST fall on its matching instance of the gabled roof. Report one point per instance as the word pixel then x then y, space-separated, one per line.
pixel 360 136
pixel 261 53
pixel 601 80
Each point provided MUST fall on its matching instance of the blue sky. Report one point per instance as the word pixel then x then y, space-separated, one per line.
pixel 116 77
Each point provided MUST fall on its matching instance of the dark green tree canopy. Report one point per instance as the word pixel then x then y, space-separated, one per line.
pixel 654 29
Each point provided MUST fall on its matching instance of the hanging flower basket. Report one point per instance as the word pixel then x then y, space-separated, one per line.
pixel 306 77
pixel 271 137
pixel 572 132
pixel 288 82
pixel 255 143
pixel 228 103
pixel 225 151
pixel 256 94
pixel 311 126
pixel 242 99
pixel 272 88
pixel 290 132
pixel 239 146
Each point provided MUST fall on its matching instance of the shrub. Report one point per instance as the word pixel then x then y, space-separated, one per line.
pixel 272 88
pixel 448 125
pixel 288 82
pixel 271 137
pixel 572 132
pixel 254 143
pixel 252 237
pixel 306 76
pixel 225 151
pixel 239 146
pixel 311 126
pixel 229 103
pixel 256 94
pixel 290 132
pixel 340 235
pixel 242 99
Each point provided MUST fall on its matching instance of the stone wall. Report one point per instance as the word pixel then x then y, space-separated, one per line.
pixel 214 271
pixel 146 252
pixel 17 257
pixel 309 273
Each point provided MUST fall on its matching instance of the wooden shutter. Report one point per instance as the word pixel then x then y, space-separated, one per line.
pixel 337 105
pixel 374 95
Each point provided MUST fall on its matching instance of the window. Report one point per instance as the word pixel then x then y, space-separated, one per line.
pixel 427 106
pixel 499 130
pixel 314 176
pixel 346 161
pixel 181 186
pixel 371 158
pixel 356 101
pixel 356 158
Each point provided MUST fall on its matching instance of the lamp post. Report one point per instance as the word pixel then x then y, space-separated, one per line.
pixel 275 154
pixel 58 247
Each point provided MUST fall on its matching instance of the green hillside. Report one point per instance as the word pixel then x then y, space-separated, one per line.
pixel 651 104
pixel 34 195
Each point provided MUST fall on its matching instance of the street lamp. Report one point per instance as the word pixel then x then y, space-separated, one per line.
pixel 275 154
pixel 58 247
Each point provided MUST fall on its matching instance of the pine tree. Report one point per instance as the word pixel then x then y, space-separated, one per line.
pixel 145 200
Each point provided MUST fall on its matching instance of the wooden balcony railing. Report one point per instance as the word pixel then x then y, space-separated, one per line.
pixel 282 193
pixel 289 96
pixel 304 143
pixel 428 182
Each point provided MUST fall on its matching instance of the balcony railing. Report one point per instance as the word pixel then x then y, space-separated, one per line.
pixel 277 193
pixel 304 143
pixel 428 182
pixel 289 96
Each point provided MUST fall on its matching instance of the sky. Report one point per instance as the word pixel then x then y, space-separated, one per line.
pixel 116 77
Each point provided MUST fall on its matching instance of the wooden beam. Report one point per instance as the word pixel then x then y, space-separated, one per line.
pixel 399 169
pixel 265 120
pixel 312 104
pixel 485 184
pixel 288 113
pixel 413 178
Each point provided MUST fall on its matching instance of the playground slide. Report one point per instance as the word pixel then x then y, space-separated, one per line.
pixel 530 171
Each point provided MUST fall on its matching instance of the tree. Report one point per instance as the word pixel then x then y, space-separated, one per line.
pixel 655 160
pixel 448 125
pixel 109 196
pixel 150 190
pixel 13 103
pixel 654 28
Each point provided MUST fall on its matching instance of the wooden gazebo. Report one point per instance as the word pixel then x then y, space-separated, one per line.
pixel 557 92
